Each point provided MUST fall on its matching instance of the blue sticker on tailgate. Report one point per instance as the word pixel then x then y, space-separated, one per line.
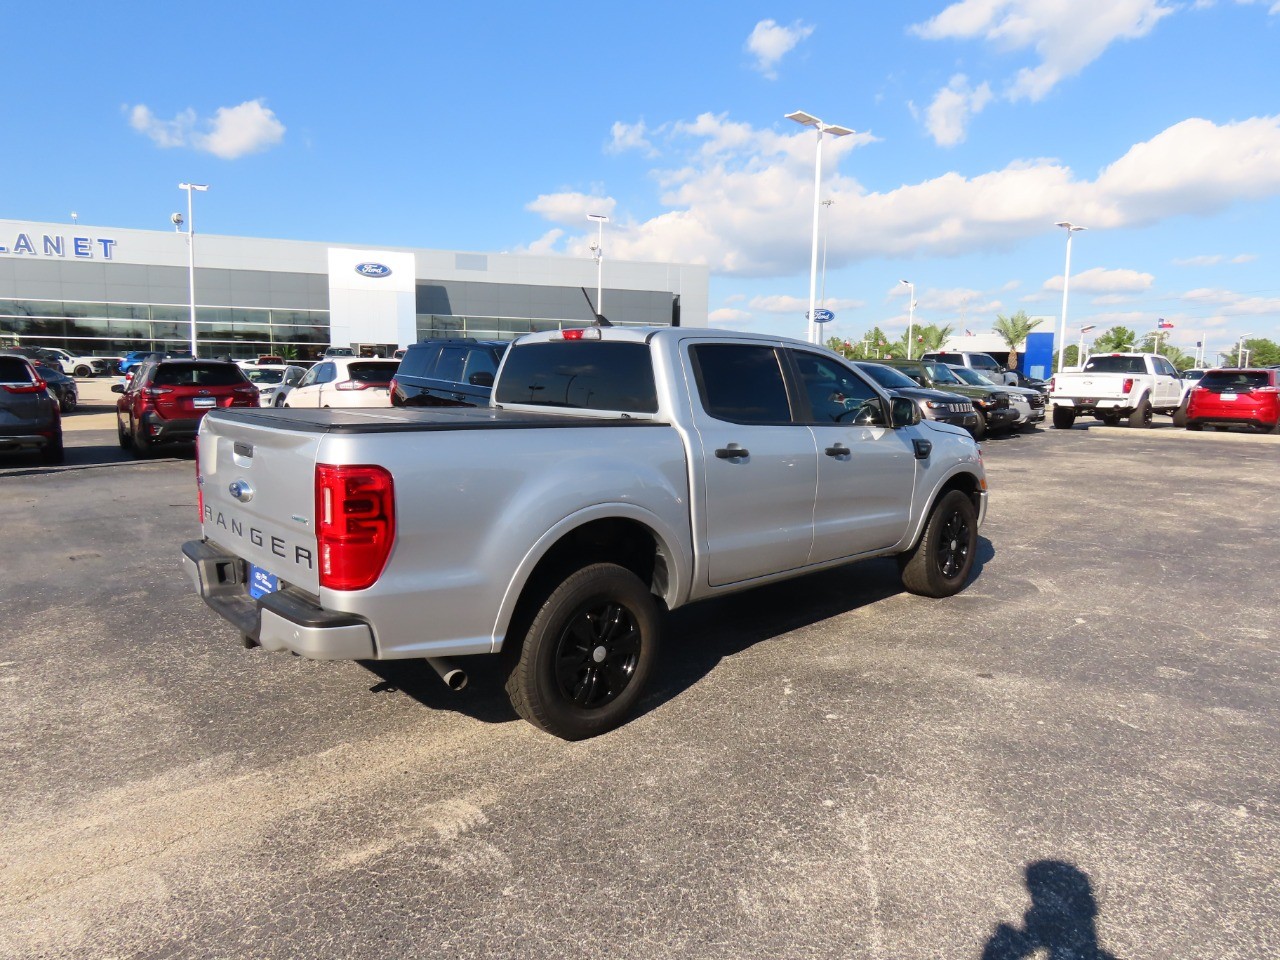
pixel 261 583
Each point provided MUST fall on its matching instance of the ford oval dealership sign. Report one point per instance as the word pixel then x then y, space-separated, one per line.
pixel 373 270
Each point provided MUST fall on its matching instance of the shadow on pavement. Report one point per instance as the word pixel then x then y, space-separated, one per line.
pixel 1062 921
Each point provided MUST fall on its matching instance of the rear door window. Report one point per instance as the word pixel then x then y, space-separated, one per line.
pixel 741 383
pixel 588 375
pixel 420 361
pixel 449 366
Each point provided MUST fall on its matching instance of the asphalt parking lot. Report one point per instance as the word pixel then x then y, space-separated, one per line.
pixel 1080 752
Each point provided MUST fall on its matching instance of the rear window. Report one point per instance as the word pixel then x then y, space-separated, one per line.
pixel 1115 365
pixel 941 373
pixel 741 383
pixel 420 360
pixel 583 374
pixel 197 375
pixel 371 372
pixel 1235 380
pixel 14 370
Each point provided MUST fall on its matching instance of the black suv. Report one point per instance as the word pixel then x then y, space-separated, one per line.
pixel 447 373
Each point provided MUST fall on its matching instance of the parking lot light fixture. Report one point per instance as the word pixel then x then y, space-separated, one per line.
pixel 1066 279
pixel 1240 350
pixel 809 120
pixel 597 250
pixel 1080 347
pixel 911 314
pixel 191 255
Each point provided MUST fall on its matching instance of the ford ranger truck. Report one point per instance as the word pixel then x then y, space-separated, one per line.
pixel 616 474
pixel 1116 386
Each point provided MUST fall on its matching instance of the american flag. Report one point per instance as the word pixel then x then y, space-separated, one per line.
pixel 1163 324
pixel 968 333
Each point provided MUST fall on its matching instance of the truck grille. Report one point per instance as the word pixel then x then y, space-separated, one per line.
pixel 1036 400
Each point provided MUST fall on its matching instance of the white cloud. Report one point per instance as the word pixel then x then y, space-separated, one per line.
pixel 727 315
pixel 232 132
pixel 630 136
pixel 741 199
pixel 1244 258
pixel 1236 304
pixel 948 116
pixel 770 42
pixel 1067 35
pixel 1200 261
pixel 1099 280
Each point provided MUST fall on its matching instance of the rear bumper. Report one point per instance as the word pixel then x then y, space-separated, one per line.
pixel 277 621
pixel 159 429
pixel 24 441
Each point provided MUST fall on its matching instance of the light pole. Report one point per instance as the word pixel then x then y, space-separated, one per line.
pixel 597 249
pixel 1066 279
pixel 1240 351
pixel 911 315
pixel 808 120
pixel 191 255
pixel 826 222
pixel 1080 346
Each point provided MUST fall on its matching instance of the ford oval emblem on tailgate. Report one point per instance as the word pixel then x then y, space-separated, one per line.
pixel 241 490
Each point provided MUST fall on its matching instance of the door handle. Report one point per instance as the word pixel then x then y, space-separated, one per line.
pixel 732 452
pixel 839 450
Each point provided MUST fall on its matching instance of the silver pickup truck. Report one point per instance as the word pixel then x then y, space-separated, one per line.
pixel 617 474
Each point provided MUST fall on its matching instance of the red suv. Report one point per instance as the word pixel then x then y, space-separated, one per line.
pixel 1235 398
pixel 166 399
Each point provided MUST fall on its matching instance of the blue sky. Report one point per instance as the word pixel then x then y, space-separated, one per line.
pixel 498 127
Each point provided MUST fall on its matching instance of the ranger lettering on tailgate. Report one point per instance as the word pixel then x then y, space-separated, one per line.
pixel 277 545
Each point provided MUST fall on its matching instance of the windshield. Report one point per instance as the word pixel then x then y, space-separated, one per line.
pixel 972 377
pixel 886 376
pixel 941 373
pixel 264 376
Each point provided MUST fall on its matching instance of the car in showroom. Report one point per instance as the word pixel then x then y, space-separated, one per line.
pixel 30 418
pixel 934 404
pixel 166 399
pixel 447 373
pixel 1247 398
pixel 345 382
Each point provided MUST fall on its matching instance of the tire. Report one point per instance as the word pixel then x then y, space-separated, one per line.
pixel 83 370
pixel 1111 419
pixel 587 653
pixel 278 402
pixel 1141 416
pixel 53 451
pixel 980 428
pixel 140 443
pixel 940 564
pixel 1180 415
pixel 126 441
pixel 1064 418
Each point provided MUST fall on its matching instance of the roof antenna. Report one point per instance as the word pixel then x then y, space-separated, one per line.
pixel 600 318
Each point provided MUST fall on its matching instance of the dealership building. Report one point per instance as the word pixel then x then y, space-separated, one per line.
pixel 104 291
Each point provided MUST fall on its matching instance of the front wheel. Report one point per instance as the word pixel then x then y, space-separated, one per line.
pixel 940 564
pixel 587 654
pixel 1180 415
pixel 1063 418
pixel 980 428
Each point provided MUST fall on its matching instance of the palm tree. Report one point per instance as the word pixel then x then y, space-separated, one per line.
pixel 1013 330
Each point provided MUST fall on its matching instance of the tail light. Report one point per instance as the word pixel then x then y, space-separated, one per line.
pixel 1051 379
pixel 244 395
pixel 1127 385
pixel 37 386
pixel 355 524
pixel 199 484
pixel 154 392
pixel 360 385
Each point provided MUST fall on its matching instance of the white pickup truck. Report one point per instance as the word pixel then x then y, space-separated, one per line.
pixel 617 474
pixel 1116 385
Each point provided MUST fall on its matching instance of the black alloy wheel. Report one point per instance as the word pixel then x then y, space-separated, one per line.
pixel 952 545
pixel 597 654
pixel 940 564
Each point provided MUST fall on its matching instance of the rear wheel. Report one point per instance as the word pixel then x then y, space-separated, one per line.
pixel 1141 415
pixel 83 370
pixel 1180 415
pixel 940 564
pixel 53 451
pixel 68 402
pixel 122 435
pixel 587 654
pixel 140 443
pixel 1064 418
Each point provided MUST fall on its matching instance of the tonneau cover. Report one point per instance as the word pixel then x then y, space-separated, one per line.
pixel 417 419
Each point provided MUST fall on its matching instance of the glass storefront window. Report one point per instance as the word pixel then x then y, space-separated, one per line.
pixel 170 313
pixel 128 311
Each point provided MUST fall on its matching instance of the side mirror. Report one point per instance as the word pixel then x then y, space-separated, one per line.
pixel 117 388
pixel 482 379
pixel 905 412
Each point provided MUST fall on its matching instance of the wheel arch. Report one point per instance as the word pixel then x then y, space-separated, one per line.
pixel 611 533
pixel 962 480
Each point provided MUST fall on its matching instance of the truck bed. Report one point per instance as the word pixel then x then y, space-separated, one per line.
pixel 415 420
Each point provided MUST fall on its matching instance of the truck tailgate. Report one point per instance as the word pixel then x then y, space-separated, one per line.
pixel 258 486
